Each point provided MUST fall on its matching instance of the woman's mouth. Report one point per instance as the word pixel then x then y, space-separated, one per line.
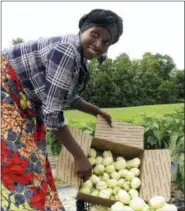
pixel 93 52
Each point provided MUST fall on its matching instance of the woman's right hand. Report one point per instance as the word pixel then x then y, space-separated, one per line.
pixel 82 165
pixel 83 168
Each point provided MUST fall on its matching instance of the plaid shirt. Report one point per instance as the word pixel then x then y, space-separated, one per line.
pixel 48 70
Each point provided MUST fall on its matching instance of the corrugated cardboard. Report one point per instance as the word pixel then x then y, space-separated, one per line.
pixel 95 200
pixel 155 168
pixel 116 147
pixel 126 133
pixel 65 169
pixel 155 174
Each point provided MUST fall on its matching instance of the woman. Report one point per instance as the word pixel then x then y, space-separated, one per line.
pixel 39 80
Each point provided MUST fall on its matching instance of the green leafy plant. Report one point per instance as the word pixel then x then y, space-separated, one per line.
pixel 178 158
pixel 165 132
pixel 53 144
pixel 89 128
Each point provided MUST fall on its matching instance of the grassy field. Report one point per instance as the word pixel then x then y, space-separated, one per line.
pixel 128 113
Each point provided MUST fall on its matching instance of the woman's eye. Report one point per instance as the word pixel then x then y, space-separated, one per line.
pixel 95 35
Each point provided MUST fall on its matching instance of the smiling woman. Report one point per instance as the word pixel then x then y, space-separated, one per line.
pixel 39 80
pixel 95 42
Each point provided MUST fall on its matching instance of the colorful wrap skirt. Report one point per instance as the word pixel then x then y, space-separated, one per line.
pixel 27 182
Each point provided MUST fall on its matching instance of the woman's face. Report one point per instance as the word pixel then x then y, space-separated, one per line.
pixel 95 42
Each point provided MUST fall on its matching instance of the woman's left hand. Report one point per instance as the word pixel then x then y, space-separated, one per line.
pixel 107 117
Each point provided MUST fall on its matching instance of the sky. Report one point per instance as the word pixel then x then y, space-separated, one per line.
pixel 156 27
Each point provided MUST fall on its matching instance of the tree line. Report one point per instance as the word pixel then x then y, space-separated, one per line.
pixel 153 79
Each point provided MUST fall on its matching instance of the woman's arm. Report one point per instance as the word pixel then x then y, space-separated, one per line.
pixel 64 135
pixel 83 167
pixel 58 78
pixel 86 107
pixel 89 108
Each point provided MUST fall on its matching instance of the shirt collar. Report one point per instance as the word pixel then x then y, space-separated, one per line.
pixel 75 40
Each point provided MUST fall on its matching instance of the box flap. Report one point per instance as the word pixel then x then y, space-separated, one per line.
pixel 156 174
pixel 126 133
pixel 65 169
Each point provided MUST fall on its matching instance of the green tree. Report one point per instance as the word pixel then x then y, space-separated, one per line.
pixel 148 79
pixel 124 78
pixel 101 89
pixel 166 92
pixel 153 79
pixel 162 65
pixel 178 80
pixel 165 66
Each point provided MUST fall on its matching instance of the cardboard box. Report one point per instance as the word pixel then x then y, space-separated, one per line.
pixel 126 140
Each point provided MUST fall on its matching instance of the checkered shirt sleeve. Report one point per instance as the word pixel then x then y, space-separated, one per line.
pixel 61 61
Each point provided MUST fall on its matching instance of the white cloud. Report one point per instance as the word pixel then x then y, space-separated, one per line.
pixel 157 27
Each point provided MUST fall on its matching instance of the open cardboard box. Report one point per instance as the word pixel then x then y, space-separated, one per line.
pixel 126 140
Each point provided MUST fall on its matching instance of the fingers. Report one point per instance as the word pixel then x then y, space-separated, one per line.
pixel 108 118
pixel 110 122
pixel 84 175
pixel 81 176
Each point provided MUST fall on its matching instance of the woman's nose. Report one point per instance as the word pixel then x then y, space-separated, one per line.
pixel 99 46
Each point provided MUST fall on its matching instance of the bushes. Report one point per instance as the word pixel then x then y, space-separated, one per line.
pixel 124 82
pixel 165 132
pixel 54 145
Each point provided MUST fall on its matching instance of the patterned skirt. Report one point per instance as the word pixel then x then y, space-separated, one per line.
pixel 27 182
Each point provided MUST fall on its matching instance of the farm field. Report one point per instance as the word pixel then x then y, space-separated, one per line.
pixel 125 114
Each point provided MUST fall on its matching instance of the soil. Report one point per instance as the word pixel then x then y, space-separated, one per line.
pixel 177 197
pixel 175 192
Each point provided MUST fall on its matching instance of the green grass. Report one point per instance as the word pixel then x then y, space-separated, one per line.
pixel 125 114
